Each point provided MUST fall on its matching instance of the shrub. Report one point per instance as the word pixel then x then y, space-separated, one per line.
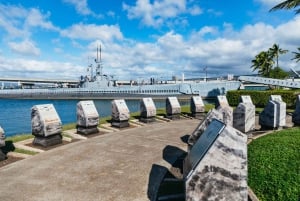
pixel 260 98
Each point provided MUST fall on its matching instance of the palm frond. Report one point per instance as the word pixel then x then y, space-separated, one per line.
pixel 288 4
pixel 297 55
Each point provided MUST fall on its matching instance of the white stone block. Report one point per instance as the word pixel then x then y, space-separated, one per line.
pixel 296 114
pixel 2 137
pixel 87 114
pixel 246 99
pixel 274 113
pixel 147 108
pixel 244 115
pixel 276 98
pixel 281 113
pixel 120 111
pixel 222 101
pixel 45 120
pixel 197 105
pixel 212 114
pixel 224 108
pixel 216 166
pixel 172 106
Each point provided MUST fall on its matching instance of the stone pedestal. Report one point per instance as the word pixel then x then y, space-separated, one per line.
pixel 46 125
pixel 274 114
pixel 148 110
pixel 87 130
pixel 296 114
pixel 120 124
pixel 224 108
pixel 197 107
pixel 2 137
pixel 216 166
pixel 268 117
pixel 2 155
pixel 173 108
pixel 147 120
pixel 87 118
pixel 120 114
pixel 244 115
pixel 2 144
pixel 47 141
pixel 212 114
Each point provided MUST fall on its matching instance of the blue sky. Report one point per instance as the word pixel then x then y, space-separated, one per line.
pixel 143 38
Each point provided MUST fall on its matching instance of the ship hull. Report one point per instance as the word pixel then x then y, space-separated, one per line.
pixel 204 89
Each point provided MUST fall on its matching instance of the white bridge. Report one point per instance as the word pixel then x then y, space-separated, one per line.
pixel 270 81
pixel 32 81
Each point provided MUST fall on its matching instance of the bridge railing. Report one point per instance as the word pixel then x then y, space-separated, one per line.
pixel 270 81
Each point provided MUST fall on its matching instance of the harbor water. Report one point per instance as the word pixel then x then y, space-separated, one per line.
pixel 15 115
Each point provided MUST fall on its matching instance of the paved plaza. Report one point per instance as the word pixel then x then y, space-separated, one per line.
pixel 114 166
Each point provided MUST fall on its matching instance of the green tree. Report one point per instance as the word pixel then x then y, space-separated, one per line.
pixel 265 60
pixel 275 51
pixel 263 63
pixel 278 73
pixel 297 55
pixel 288 4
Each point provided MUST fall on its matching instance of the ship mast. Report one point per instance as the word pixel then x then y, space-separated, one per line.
pixel 99 63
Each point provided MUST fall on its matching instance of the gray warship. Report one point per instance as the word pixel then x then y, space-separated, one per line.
pixel 102 86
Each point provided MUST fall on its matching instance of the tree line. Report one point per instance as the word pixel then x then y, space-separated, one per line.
pixel 266 62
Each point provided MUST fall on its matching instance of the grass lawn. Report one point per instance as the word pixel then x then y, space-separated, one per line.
pixel 274 166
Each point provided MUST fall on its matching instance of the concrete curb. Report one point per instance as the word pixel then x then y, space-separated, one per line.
pixel 18 155
pixel 108 126
pixel 22 146
pixel 74 135
pixel 251 195
pixel 163 119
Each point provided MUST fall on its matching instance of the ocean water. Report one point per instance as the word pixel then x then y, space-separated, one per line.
pixel 15 114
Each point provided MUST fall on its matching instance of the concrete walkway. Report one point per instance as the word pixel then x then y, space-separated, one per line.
pixel 115 166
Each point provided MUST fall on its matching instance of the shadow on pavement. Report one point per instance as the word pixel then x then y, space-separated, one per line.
pixel 168 184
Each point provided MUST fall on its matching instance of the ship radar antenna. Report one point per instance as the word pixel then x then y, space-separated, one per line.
pixel 99 62
pixel 100 52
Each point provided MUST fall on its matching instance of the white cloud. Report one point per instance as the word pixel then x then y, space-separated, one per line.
pixel 18 21
pixel 206 30
pixel 170 40
pixel 36 19
pixel 289 32
pixel 38 69
pixel 222 49
pixel 111 13
pixel 229 53
pixel 154 14
pixel 195 10
pixel 25 47
pixel 214 12
pixel 11 20
pixel 93 32
pixel 81 6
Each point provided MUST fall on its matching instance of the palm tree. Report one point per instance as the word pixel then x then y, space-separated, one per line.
pixel 288 4
pixel 263 63
pixel 275 51
pixel 297 55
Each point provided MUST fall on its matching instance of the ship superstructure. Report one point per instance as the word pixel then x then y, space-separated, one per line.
pixel 102 86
